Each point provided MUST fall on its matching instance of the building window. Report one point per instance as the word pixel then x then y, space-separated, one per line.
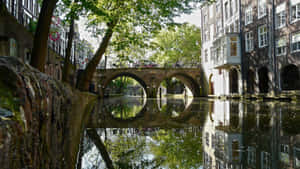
pixel 297 157
pixel 218 27
pixel 206 36
pixel 280 19
pixel 266 163
pixel 295 11
pixel 218 8
pixel 262 8
pixel 226 11
pixel 211 11
pixel 295 45
pixel 233 46
pixel 280 16
pixel 206 55
pixel 205 19
pixel 236 5
pixel 281 47
pixel 230 8
pixel 235 150
pixel 262 36
pixel 207 138
pixel 249 41
pixel 248 16
pixel 213 141
pixel 251 156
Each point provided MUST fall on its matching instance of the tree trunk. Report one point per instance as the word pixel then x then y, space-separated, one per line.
pixel 93 135
pixel 39 51
pixel 87 74
pixel 66 69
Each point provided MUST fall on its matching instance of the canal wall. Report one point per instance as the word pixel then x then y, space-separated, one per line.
pixel 41 119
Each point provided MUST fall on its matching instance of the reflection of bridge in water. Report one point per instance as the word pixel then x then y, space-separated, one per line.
pixel 151 78
pixel 150 115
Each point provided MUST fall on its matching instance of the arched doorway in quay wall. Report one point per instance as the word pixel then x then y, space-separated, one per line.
pixel 290 78
pixel 251 81
pixel 263 79
pixel 233 81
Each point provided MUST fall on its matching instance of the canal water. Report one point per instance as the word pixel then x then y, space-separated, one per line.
pixel 188 133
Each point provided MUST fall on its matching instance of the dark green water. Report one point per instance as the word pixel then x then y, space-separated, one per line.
pixel 194 133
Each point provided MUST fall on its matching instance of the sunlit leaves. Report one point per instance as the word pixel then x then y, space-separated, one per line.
pixel 181 43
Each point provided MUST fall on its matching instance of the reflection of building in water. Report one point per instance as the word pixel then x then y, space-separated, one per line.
pixel 266 138
pixel 221 136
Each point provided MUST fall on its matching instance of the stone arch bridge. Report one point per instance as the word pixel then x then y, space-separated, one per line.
pixel 151 78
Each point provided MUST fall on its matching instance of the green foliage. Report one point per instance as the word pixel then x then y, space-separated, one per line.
pixel 135 22
pixel 32 26
pixel 180 43
pixel 126 150
pixel 125 111
pixel 121 83
pixel 180 151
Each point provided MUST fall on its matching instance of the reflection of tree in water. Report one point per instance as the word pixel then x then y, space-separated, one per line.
pixel 173 107
pixel 124 109
pixel 291 122
pixel 179 150
pixel 126 150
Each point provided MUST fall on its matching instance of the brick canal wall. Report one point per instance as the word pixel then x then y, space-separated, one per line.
pixel 41 119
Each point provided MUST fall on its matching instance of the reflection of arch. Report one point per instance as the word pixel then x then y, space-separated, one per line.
pixel 290 79
pixel 251 81
pixel 189 82
pixel 135 77
pixel 263 80
pixel 211 85
pixel 233 81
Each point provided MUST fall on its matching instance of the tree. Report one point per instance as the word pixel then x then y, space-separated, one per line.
pixel 93 135
pixel 40 43
pixel 118 16
pixel 74 10
pixel 181 43
pixel 178 150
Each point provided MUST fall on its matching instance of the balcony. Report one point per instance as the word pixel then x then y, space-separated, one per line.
pixel 226 51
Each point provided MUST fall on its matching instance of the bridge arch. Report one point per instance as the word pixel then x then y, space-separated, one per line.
pixel 189 81
pixel 106 82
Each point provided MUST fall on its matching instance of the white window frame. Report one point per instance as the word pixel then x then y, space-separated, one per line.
pixel 218 7
pixel 249 45
pixel 226 7
pixel 234 45
pixel 281 43
pixel 280 19
pixel 297 12
pixel 262 36
pixel 218 28
pixel 295 38
pixel 248 15
pixel 261 8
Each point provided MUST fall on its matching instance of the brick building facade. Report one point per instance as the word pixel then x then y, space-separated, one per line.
pixel 17 22
pixel 269 45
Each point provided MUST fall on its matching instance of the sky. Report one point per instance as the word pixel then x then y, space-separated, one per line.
pixel 193 18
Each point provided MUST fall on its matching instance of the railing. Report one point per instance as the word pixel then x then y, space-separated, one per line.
pixel 157 66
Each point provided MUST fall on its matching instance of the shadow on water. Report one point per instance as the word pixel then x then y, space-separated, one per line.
pixel 200 133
